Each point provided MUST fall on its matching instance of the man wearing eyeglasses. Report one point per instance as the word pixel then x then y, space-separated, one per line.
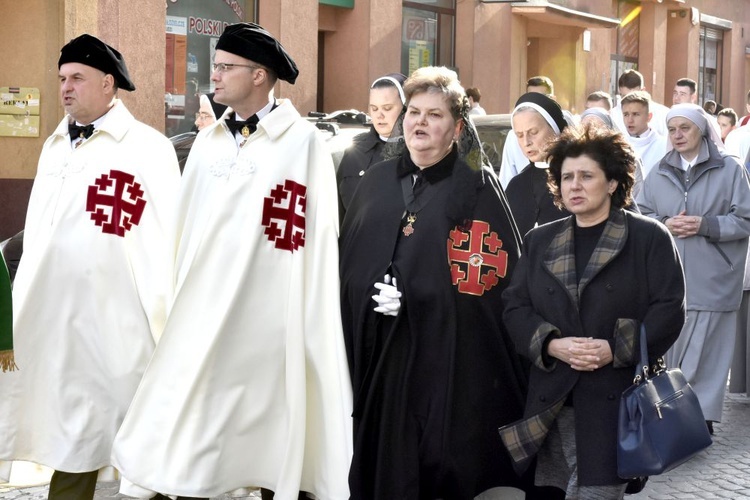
pixel 249 384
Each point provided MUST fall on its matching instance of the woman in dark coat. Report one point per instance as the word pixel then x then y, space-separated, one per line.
pixel 384 108
pixel 580 292
pixel 433 370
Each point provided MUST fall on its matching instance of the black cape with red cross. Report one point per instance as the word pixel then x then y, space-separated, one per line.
pixel 432 385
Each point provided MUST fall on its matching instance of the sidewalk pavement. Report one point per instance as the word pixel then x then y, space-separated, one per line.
pixel 721 471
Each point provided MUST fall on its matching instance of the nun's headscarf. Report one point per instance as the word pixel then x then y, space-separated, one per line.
pixel 696 114
pixel 601 114
pixel 548 108
pixel 391 80
pixel 205 102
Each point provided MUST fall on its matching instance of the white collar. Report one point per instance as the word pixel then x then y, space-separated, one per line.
pixel 262 112
pixel 684 164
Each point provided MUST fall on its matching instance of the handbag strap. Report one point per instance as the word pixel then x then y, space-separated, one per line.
pixel 641 370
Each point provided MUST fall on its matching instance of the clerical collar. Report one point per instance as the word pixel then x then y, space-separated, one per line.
pixel 542 165
pixel 432 174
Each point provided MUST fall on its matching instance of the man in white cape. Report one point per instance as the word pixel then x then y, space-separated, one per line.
pixel 649 146
pixel 93 283
pixel 632 81
pixel 249 385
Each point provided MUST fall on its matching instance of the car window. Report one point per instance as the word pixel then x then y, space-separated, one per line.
pixel 493 131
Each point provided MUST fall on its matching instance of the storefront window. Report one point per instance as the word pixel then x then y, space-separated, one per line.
pixel 427 35
pixel 193 27
pixel 709 60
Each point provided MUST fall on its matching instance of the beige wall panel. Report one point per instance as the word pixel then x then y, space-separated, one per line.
pixel 384 38
pixel 596 66
pixel 295 24
pixel 139 34
pixel 31 63
pixel 346 74
pixel 491 57
pixel 468 23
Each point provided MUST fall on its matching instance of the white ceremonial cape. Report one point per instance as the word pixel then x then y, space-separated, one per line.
pixel 737 144
pixel 91 291
pixel 649 147
pixel 249 385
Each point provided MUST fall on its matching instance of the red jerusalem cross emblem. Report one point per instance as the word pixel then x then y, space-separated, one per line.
pixel 284 215
pixel 115 202
pixel 476 258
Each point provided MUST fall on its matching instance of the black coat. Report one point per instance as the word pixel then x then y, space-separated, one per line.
pixel 431 385
pixel 530 199
pixel 366 150
pixel 634 276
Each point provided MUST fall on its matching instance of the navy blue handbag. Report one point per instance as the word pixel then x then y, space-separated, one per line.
pixel 661 424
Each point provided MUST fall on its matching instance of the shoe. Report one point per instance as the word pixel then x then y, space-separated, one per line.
pixel 710 425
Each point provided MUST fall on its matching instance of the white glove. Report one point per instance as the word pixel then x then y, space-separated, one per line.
pixel 388 298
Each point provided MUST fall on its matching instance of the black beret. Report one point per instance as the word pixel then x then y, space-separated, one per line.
pixel 91 51
pixel 549 105
pixel 252 42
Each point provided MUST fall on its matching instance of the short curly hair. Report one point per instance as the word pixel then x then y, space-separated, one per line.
pixel 606 147
pixel 442 80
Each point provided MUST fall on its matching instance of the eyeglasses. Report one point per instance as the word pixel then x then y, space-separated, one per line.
pixel 224 67
pixel 202 116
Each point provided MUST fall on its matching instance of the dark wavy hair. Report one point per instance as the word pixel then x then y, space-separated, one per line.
pixel 607 148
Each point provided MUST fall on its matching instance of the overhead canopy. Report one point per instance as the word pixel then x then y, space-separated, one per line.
pixel 545 12
pixel 338 3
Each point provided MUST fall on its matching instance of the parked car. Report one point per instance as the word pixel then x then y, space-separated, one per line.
pixel 493 131
pixel 337 129
pixel 182 144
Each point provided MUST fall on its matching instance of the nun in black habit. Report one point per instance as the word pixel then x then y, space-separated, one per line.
pixel 386 104
pixel 433 370
pixel 536 120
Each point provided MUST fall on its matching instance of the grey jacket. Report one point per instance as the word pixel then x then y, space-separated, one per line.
pixel 717 189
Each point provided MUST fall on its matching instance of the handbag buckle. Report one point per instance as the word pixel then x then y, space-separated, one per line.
pixel 659 367
pixel 637 380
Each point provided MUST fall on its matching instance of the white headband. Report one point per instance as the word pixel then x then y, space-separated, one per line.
pixel 541 111
pixel 394 82
pixel 599 113
pixel 205 101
